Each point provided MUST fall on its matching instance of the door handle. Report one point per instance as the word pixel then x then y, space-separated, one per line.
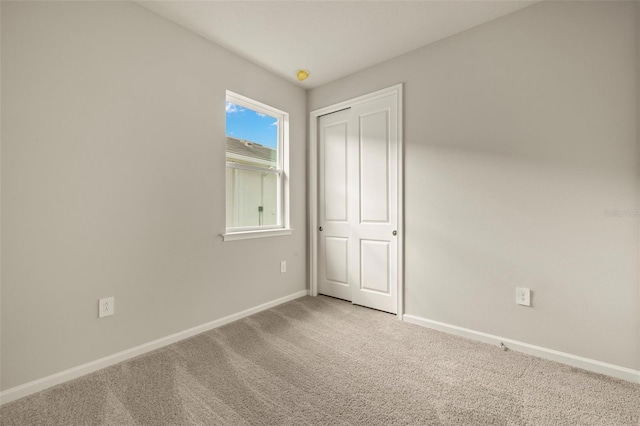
pixel 320 229
pixel 395 233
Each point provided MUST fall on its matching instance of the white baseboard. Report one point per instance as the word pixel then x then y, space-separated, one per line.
pixel 550 354
pixel 46 382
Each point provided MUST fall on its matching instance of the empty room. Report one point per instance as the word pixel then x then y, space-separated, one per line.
pixel 319 212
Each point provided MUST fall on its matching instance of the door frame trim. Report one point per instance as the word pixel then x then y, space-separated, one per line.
pixel 313 186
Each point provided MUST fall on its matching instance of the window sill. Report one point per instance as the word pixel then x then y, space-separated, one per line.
pixel 246 235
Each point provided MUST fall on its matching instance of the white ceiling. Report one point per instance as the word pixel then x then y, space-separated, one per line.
pixel 329 38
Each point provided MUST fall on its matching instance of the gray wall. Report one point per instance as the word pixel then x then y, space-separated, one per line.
pixel 519 135
pixel 113 148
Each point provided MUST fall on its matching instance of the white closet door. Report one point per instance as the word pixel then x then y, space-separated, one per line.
pixel 373 172
pixel 358 204
pixel 333 202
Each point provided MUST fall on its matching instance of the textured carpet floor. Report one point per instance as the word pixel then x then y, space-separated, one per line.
pixel 321 361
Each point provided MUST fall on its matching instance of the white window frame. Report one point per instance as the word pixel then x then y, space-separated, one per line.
pixel 282 171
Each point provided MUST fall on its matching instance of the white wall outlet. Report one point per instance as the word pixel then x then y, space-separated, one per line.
pixel 283 266
pixel 523 296
pixel 106 307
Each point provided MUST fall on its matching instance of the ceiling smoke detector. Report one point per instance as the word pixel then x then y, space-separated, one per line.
pixel 302 75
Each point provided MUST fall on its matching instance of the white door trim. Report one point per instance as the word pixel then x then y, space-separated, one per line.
pixel 313 186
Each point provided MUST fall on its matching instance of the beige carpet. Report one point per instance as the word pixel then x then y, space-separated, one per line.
pixel 321 361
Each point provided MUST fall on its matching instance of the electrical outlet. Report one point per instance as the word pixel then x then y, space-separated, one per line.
pixel 106 307
pixel 283 266
pixel 523 296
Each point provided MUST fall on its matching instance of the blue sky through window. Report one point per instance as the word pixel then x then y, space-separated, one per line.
pixel 247 124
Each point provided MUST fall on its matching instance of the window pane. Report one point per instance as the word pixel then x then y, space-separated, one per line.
pixel 252 198
pixel 257 131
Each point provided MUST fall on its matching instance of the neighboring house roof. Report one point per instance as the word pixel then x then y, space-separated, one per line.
pixel 251 149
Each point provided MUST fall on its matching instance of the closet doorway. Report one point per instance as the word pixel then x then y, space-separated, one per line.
pixel 356 200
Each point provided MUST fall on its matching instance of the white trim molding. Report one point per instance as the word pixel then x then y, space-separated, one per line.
pixel 38 385
pixel 562 357
pixel 262 233
pixel 313 185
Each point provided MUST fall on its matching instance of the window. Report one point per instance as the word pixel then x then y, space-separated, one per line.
pixel 257 169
